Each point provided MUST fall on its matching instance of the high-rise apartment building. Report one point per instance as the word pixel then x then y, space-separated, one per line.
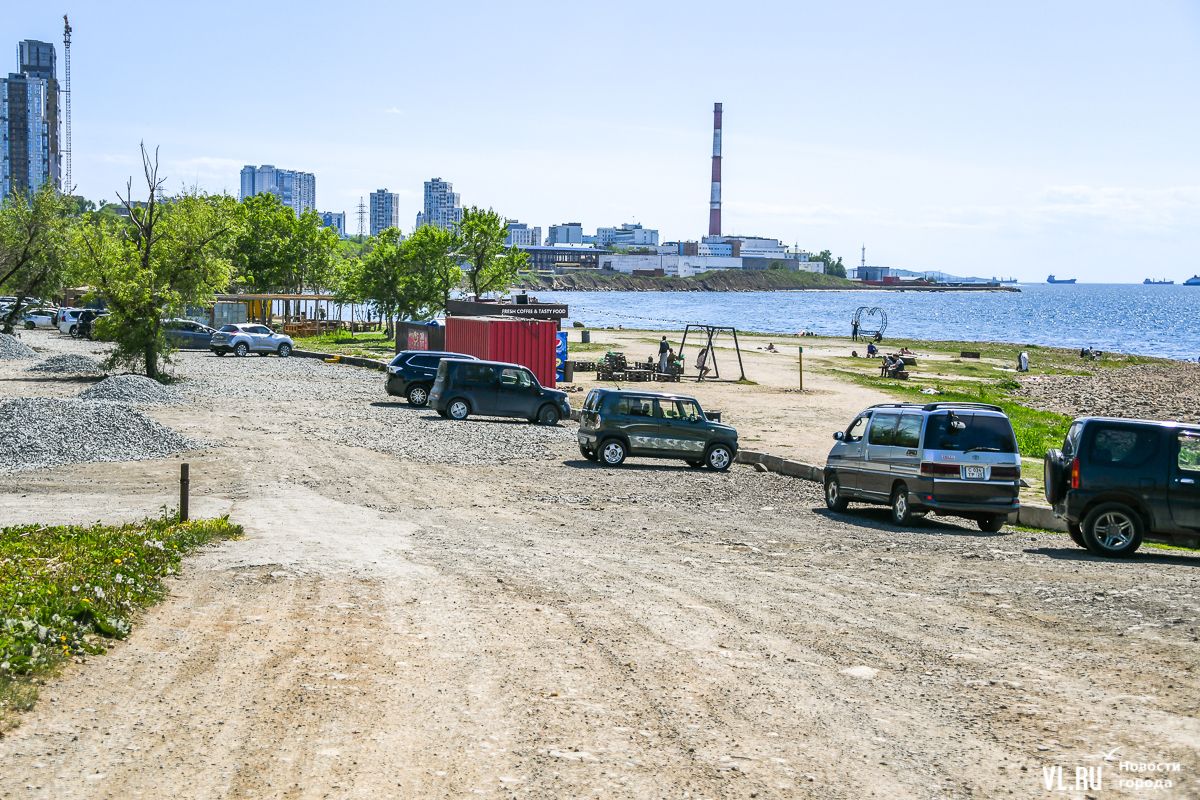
pixel 29 121
pixel 335 220
pixel 521 234
pixel 443 207
pixel 385 211
pixel 567 233
pixel 296 190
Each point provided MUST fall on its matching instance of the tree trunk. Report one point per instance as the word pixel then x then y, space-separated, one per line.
pixel 152 360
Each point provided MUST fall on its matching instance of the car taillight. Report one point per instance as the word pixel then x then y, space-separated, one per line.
pixel 1075 474
pixel 932 468
pixel 1006 473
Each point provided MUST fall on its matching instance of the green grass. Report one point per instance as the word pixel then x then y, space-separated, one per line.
pixel 368 345
pixel 65 590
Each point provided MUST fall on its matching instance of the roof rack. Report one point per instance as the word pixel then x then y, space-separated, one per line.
pixel 954 404
pixel 895 405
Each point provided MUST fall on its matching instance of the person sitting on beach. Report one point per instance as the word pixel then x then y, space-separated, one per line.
pixel 701 358
pixel 904 351
pixel 771 348
pixel 879 336
pixel 854 354
pixel 885 367
pixel 872 350
pixel 1084 352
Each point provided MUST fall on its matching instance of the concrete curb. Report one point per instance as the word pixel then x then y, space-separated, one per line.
pixel 1030 516
pixel 353 361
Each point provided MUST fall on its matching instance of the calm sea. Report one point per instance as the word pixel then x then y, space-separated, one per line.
pixel 1129 318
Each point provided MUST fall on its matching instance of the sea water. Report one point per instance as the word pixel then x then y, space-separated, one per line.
pixel 1127 318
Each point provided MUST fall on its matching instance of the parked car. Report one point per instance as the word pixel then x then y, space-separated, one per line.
pixel 412 373
pixel 39 318
pixel 951 459
pixel 1120 482
pixel 188 334
pixel 68 318
pixel 614 424
pixel 495 389
pixel 250 337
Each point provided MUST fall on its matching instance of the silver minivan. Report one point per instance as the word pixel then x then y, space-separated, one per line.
pixel 952 459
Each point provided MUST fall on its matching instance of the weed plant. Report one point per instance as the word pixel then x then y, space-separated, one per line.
pixel 65 590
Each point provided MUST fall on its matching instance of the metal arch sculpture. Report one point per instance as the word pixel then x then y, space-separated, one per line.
pixel 866 315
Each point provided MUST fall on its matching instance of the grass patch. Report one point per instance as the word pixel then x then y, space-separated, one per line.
pixel 65 590
pixel 367 345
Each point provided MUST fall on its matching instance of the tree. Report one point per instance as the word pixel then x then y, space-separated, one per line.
pixel 431 251
pixel 34 230
pixel 386 281
pixel 166 256
pixel 489 266
pixel 262 245
pixel 837 269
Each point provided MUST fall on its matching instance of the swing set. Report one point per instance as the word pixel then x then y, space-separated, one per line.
pixel 709 334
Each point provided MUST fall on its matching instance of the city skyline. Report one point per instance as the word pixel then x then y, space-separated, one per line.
pixel 968 140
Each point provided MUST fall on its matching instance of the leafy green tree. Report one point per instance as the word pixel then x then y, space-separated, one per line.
pixel 167 256
pixel 34 232
pixel 835 268
pixel 261 248
pixel 489 267
pixel 431 251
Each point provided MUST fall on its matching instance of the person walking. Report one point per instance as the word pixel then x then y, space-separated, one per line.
pixel 664 348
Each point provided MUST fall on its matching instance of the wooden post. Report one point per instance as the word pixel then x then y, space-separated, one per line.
pixel 802 369
pixel 184 480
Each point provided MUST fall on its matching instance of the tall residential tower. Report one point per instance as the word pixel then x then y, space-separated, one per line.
pixel 296 190
pixel 443 207
pixel 385 211
pixel 29 121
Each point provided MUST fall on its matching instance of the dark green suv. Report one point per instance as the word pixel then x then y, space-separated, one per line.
pixel 614 424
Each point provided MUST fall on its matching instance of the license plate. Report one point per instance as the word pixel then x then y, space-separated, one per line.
pixel 975 473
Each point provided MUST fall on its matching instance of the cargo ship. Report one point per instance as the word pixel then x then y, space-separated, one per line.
pixel 1149 282
pixel 1053 279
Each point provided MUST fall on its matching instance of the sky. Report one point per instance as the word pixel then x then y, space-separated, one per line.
pixel 1007 139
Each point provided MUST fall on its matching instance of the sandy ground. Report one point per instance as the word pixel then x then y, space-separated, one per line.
pixel 549 628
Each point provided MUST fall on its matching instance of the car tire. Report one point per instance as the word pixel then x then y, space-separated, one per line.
pixel 548 415
pixel 834 500
pixel 418 396
pixel 218 353
pixel 1076 534
pixel 992 524
pixel 588 453
pixel 695 464
pixel 901 511
pixel 72 330
pixel 1054 477
pixel 443 414
pixel 458 409
pixel 240 349
pixel 29 326
pixel 718 457
pixel 612 452
pixel 1112 530
pixel 284 350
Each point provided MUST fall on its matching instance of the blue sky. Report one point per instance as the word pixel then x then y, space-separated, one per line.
pixel 989 139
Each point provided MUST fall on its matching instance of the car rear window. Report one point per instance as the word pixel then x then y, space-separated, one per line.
pixel 883 428
pixel 483 374
pixel 982 432
pixel 592 403
pixel 1189 451
pixel 1123 447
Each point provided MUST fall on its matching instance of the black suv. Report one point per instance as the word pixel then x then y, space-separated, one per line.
pixel 614 424
pixel 495 389
pixel 1119 482
pixel 411 374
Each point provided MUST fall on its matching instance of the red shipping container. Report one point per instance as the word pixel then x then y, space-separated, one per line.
pixel 530 343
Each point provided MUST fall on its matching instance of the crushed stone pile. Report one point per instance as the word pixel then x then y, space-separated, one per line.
pixel 136 389
pixel 69 364
pixel 46 432
pixel 1145 391
pixel 11 348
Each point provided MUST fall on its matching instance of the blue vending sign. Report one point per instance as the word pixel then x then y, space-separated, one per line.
pixel 560 355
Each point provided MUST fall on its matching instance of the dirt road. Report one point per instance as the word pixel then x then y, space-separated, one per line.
pixel 521 621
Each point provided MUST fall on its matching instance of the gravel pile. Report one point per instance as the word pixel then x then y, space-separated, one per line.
pixel 48 432
pixel 136 389
pixel 11 348
pixel 1149 391
pixel 69 364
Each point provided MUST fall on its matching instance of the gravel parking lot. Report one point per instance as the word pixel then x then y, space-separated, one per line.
pixel 429 608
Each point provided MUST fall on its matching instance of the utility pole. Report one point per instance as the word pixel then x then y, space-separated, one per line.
pixel 362 219
pixel 68 187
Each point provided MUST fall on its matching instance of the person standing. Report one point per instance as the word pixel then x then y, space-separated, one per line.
pixel 1023 362
pixel 854 331
pixel 664 348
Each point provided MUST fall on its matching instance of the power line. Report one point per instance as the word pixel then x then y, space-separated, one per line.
pixel 362 218
pixel 68 187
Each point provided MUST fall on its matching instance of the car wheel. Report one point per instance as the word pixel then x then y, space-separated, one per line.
pixel 458 409
pixel 901 512
pixel 240 349
pixel 1076 534
pixel 442 414
pixel 719 457
pixel 219 353
pixel 285 350
pixel 418 396
pixel 588 453
pixel 1054 477
pixel 992 524
pixel 612 453
pixel 73 330
pixel 695 464
pixel 834 500
pixel 29 326
pixel 547 415
pixel 1112 530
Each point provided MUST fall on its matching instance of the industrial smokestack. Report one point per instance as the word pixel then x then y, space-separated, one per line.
pixel 714 208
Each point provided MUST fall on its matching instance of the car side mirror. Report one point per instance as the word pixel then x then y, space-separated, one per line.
pixel 839 435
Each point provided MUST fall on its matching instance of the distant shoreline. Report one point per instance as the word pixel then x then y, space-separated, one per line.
pixel 723 281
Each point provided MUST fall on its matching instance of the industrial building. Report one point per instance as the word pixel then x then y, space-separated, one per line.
pixel 335 220
pixel 29 121
pixel 443 206
pixel 296 190
pixel 521 234
pixel 561 259
pixel 385 211
pixel 626 235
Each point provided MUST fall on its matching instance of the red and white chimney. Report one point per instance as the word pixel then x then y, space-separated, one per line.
pixel 714 208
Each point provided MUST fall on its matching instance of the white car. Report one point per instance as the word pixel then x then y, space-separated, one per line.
pixel 67 319
pixel 250 337
pixel 39 318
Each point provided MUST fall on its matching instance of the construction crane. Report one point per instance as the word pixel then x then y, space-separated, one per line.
pixel 68 187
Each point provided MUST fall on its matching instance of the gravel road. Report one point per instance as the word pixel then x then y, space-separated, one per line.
pixel 416 621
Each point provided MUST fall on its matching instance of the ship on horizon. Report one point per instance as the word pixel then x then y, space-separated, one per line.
pixel 1053 279
pixel 1192 281
pixel 1149 282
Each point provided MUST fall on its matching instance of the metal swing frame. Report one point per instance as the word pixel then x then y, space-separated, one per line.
pixel 709 333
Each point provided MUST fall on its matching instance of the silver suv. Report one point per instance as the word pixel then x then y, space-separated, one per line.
pixel 953 459
pixel 250 337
